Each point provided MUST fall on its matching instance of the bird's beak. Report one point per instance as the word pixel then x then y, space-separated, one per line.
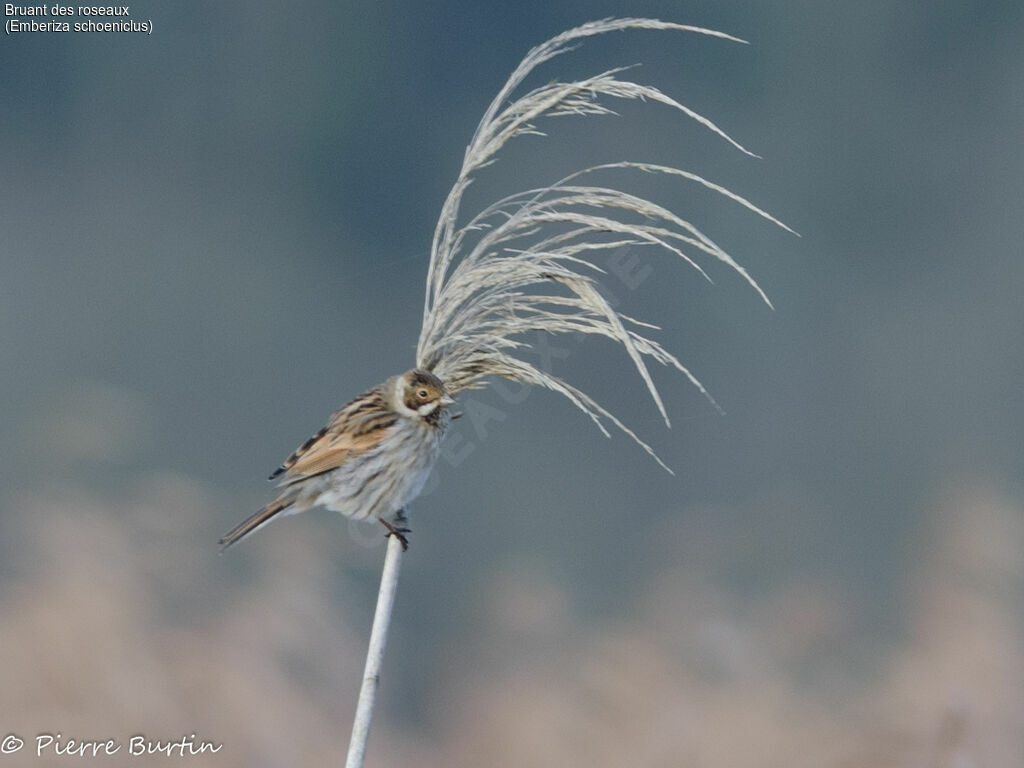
pixel 446 400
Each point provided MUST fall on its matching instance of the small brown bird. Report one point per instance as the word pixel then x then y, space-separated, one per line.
pixel 372 458
pixel 524 267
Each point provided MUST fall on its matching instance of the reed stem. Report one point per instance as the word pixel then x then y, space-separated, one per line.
pixel 375 654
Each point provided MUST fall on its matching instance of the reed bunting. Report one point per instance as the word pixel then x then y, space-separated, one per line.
pixel 524 266
pixel 370 461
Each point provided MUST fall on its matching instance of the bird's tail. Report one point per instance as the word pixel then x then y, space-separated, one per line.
pixel 281 505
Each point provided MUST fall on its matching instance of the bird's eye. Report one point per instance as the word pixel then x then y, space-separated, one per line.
pixel 423 394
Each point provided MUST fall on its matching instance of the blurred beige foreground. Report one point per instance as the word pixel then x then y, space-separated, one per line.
pixel 122 621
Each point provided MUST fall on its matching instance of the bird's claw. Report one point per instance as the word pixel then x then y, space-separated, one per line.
pixel 398 532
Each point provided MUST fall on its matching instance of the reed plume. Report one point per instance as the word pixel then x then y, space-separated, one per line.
pixel 490 278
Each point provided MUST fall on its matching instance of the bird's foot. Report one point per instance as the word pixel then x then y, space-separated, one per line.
pixel 398 532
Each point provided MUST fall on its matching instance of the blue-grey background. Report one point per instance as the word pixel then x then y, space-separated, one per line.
pixel 215 235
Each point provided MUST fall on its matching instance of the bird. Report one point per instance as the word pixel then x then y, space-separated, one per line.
pixel 525 266
pixel 369 461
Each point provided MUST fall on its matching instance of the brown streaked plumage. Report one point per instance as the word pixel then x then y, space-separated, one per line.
pixel 370 460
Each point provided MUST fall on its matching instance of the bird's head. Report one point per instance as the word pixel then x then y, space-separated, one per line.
pixel 421 393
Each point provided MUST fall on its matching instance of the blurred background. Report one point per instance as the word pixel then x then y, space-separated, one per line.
pixel 215 235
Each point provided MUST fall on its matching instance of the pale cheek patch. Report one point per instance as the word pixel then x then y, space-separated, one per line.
pixel 427 408
pixel 399 394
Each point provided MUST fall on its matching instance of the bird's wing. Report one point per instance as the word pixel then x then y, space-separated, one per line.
pixel 353 430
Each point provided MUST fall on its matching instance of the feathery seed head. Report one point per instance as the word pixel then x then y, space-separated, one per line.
pixel 490 279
